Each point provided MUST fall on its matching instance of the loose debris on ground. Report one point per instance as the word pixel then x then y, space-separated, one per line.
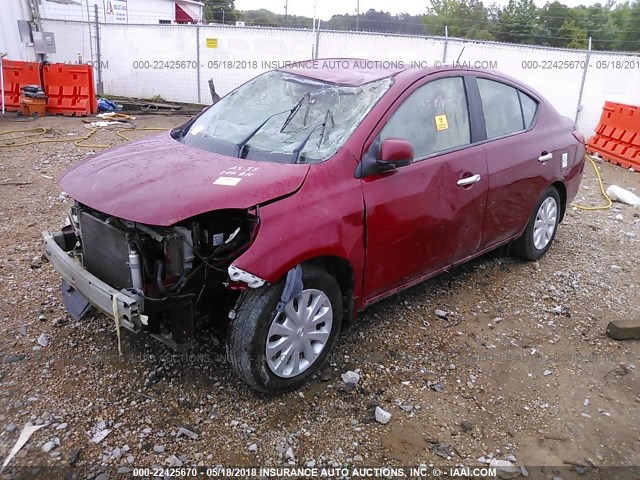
pixel 498 363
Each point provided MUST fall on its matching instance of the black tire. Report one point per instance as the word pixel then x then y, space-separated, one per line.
pixel 247 333
pixel 524 246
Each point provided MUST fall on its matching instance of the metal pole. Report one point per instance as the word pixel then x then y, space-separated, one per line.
pixel 89 28
pixel 198 61
pixel 357 15
pixel 446 44
pixel 38 20
pixel 2 55
pixel 313 31
pixel 286 10
pixel 98 53
pixel 223 16
pixel 584 78
pixel 317 41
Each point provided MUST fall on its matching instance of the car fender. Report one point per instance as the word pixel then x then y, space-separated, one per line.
pixel 325 218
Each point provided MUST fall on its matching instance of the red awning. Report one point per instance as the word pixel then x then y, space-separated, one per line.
pixel 182 16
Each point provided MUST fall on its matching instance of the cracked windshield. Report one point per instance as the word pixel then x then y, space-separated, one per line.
pixel 284 118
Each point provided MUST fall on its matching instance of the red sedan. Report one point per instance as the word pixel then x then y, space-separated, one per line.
pixel 306 195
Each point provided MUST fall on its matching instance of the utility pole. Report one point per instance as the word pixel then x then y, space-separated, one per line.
pixel 357 15
pixel 222 16
pixel 286 10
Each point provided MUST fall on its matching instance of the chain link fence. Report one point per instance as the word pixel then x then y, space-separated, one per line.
pixel 610 77
pixel 176 62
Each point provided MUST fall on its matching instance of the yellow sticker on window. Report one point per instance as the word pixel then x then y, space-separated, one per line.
pixel 441 122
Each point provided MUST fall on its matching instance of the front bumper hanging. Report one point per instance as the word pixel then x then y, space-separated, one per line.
pixel 97 292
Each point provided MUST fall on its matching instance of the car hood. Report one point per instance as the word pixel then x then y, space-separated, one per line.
pixel 160 181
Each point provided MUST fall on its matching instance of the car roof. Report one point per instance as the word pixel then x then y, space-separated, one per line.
pixel 344 71
pixel 359 71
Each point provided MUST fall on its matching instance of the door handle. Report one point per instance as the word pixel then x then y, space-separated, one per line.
pixel 463 182
pixel 545 157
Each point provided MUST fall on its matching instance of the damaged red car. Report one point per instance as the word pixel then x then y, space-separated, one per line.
pixel 306 195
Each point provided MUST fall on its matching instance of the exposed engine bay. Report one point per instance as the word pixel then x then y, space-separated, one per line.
pixel 179 274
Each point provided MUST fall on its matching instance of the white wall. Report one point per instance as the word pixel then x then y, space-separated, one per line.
pixel 138 11
pixel 151 11
pixel 70 12
pixel 10 42
pixel 147 60
pixel 606 81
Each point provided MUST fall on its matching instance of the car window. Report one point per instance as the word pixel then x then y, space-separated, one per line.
pixel 529 107
pixel 501 108
pixel 284 117
pixel 433 119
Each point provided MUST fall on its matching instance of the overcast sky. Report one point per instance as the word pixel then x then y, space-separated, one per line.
pixel 327 8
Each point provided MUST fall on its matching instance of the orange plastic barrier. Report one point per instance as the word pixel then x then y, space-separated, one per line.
pixel 617 137
pixel 17 75
pixel 70 89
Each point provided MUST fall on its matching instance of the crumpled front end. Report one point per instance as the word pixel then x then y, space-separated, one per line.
pixel 167 281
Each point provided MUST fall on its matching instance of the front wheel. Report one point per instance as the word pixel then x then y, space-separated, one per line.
pixel 541 229
pixel 277 351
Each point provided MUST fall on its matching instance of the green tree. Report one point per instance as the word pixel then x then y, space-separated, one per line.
pixel 611 26
pixel 261 17
pixel 627 21
pixel 552 18
pixel 572 35
pixel 220 11
pixel 597 23
pixel 519 22
pixel 378 21
pixel 463 19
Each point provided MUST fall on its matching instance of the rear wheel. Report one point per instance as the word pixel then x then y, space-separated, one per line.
pixel 274 351
pixel 541 229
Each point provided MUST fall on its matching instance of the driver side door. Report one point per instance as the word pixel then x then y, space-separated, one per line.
pixel 423 217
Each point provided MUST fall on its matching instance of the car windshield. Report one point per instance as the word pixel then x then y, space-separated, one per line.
pixel 284 118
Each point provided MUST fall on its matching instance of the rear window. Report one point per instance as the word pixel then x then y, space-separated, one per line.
pixel 529 108
pixel 501 107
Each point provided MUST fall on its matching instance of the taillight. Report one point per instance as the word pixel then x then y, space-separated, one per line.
pixel 578 136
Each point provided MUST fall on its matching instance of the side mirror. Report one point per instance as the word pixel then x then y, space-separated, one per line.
pixel 394 153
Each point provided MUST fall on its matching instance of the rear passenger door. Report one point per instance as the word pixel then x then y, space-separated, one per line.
pixel 514 149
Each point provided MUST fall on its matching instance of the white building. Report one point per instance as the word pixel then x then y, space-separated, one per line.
pixel 124 11
pixel 10 42
pixel 17 47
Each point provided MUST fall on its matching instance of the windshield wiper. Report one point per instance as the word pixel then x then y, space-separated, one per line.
pixel 244 142
pixel 298 150
pixel 294 111
pixel 324 126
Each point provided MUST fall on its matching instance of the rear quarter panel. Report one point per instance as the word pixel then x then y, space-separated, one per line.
pixel 572 173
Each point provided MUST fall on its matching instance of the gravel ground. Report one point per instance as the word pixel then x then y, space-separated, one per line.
pixel 519 369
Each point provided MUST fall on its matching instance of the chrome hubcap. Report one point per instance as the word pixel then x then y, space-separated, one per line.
pixel 545 224
pixel 299 334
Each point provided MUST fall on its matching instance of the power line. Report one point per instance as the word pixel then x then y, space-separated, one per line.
pixel 398 25
pixel 139 15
